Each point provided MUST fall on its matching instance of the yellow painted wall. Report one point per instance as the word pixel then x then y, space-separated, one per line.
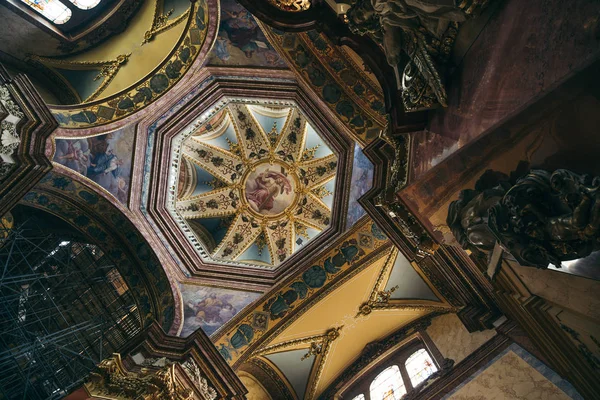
pixel 143 59
pixel 255 390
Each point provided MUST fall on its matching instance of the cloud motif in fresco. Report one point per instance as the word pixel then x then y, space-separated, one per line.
pixel 104 159
pixel 362 181
pixel 210 308
pixel 240 40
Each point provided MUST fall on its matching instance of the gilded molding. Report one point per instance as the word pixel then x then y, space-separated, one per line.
pixel 150 88
pixel 108 70
pixel 308 286
pixel 291 5
pixel 380 299
pixel 342 88
pixel 113 381
pixel 319 346
pixel 161 23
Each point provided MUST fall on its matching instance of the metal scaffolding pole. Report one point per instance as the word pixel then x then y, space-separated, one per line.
pixel 60 311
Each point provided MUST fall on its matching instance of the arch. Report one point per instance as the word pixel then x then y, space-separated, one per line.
pixel 63 305
pixel 419 366
pixel 85 4
pixel 106 226
pixel 55 11
pixel 388 385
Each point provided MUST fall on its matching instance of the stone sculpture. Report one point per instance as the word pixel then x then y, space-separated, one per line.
pixel 417 36
pixel 540 218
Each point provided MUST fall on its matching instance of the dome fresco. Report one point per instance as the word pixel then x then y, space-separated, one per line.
pixel 263 183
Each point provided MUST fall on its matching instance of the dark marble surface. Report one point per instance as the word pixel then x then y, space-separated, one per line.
pixel 525 50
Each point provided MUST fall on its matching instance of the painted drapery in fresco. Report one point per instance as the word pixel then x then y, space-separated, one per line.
pixel 210 308
pixel 104 159
pixel 240 41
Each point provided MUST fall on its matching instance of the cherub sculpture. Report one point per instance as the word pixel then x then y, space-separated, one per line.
pixel 422 32
pixel 540 218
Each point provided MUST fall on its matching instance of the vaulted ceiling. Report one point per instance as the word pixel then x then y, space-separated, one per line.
pixel 261 183
pixel 238 153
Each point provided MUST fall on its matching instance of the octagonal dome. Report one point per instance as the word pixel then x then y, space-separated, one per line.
pixel 254 182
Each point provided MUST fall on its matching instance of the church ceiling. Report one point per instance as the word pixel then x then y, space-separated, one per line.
pixel 264 184
pixel 247 185
pixel 138 68
pixel 393 303
pixel 346 256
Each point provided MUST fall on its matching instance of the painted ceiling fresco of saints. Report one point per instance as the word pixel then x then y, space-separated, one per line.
pixel 210 308
pixel 269 192
pixel 240 40
pixel 104 159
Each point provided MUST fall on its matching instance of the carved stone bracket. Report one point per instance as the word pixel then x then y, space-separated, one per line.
pixel 25 124
pixel 155 366
pixel 113 381
pixel 417 41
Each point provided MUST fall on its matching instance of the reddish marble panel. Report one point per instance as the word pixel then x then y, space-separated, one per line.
pixel 525 49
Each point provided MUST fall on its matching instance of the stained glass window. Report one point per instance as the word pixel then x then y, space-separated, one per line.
pixel 54 10
pixel 359 397
pixel 85 4
pixel 419 366
pixel 388 385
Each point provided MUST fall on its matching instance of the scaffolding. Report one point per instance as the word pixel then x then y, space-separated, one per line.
pixel 63 308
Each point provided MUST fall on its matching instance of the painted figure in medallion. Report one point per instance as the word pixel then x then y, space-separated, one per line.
pixel 263 189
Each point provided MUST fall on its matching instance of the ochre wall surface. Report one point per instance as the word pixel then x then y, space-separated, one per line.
pixel 510 377
pixel 452 338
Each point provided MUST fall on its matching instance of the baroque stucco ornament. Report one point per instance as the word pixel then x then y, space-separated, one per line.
pixel 114 382
pixel 9 137
pixel 540 218
pixel 291 5
pixel 423 31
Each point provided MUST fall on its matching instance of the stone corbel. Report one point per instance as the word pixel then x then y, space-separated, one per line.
pixel 10 115
pixel 25 124
pixel 113 381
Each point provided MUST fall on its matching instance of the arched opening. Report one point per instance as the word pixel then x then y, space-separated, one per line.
pixel 64 306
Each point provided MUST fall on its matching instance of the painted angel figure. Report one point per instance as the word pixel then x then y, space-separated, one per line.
pixel 261 192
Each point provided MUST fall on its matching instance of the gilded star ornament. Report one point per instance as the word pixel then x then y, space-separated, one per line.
pixel 267 183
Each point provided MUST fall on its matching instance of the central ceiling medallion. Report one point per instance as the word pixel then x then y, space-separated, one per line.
pixel 256 183
pixel 270 188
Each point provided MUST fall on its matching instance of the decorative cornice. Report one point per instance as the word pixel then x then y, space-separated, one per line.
pixel 113 381
pixel 25 124
pixel 184 352
pixel 362 114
